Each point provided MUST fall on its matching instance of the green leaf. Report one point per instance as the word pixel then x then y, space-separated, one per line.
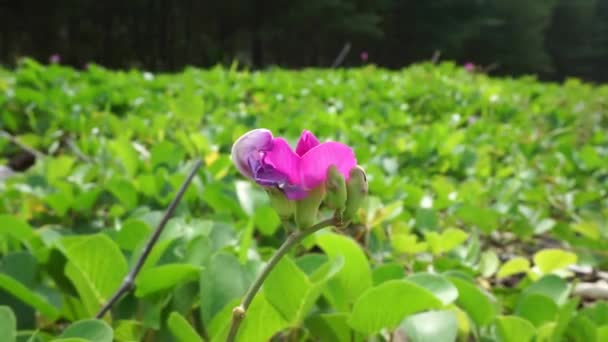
pixel 222 281
pixel 536 308
pixel 128 330
pixel 166 153
pixel 59 167
pixel 446 241
pixel 16 228
pixel 164 277
pixel 489 263
pixel 89 329
pixel 514 329
pixel 513 266
pixel 484 218
pixel 588 229
pixel 266 220
pixel 387 272
pixel 442 288
pixel 29 297
pixel 261 322
pixel 431 326
pixel 132 233
pixel 354 278
pixel 332 327
pixel 581 329
pixel 408 243
pixel 565 315
pixel 181 329
pixel 250 197
pixel 124 191
pixel 286 289
pixel 551 286
pixel 387 304
pixel 549 260
pixel 8 324
pixel 477 303
pixel 95 266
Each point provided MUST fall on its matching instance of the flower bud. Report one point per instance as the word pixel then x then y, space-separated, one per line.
pixel 356 190
pixel 335 187
pixel 281 204
pixel 308 208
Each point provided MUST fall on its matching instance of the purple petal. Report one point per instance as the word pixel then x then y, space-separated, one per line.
pixel 314 164
pixel 306 142
pixel 294 192
pixel 282 158
pixel 250 147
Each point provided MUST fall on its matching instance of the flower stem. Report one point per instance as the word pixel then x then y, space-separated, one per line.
pixel 238 313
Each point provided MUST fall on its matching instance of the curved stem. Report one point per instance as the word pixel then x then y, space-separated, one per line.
pixel 238 313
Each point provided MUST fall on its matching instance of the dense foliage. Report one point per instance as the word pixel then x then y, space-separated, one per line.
pixel 554 38
pixel 484 193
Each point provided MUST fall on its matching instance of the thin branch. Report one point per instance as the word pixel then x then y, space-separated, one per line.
pixel 77 150
pixel 238 313
pixel 345 50
pixel 16 141
pixel 129 281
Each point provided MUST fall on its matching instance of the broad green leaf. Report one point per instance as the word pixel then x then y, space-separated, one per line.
pixel 266 220
pixel 164 277
pixel 16 228
pixel 331 327
pixel 513 266
pixel 354 278
pixel 598 312
pixel 408 243
pixel 441 287
pixel 28 296
pixel 484 218
pixel 551 286
pixel 514 329
pixel 167 154
pixel 431 326
pixel 223 281
pixel 549 260
pixel 489 263
pixel 89 329
pixel 581 329
pixel 588 229
pixel 8 324
pixel 286 288
pixel 132 233
pixel 181 329
pixel 261 322
pixel 59 167
pixel 565 315
pixel 387 304
pixel 387 272
pixel 95 266
pixel 128 330
pixel 124 191
pixel 536 308
pixel 477 303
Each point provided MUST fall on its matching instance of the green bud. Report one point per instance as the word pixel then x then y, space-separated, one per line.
pixel 356 190
pixel 284 207
pixel 308 208
pixel 335 186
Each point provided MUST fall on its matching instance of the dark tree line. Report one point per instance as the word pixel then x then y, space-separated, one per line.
pixel 552 38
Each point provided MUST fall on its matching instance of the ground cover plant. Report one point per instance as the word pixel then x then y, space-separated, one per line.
pixel 486 218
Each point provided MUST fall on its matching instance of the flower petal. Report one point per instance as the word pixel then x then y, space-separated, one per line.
pixel 306 142
pixel 249 146
pixel 314 164
pixel 282 158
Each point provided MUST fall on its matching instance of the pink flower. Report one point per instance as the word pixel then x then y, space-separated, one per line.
pixel 55 58
pixel 470 67
pixel 364 56
pixel 271 162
